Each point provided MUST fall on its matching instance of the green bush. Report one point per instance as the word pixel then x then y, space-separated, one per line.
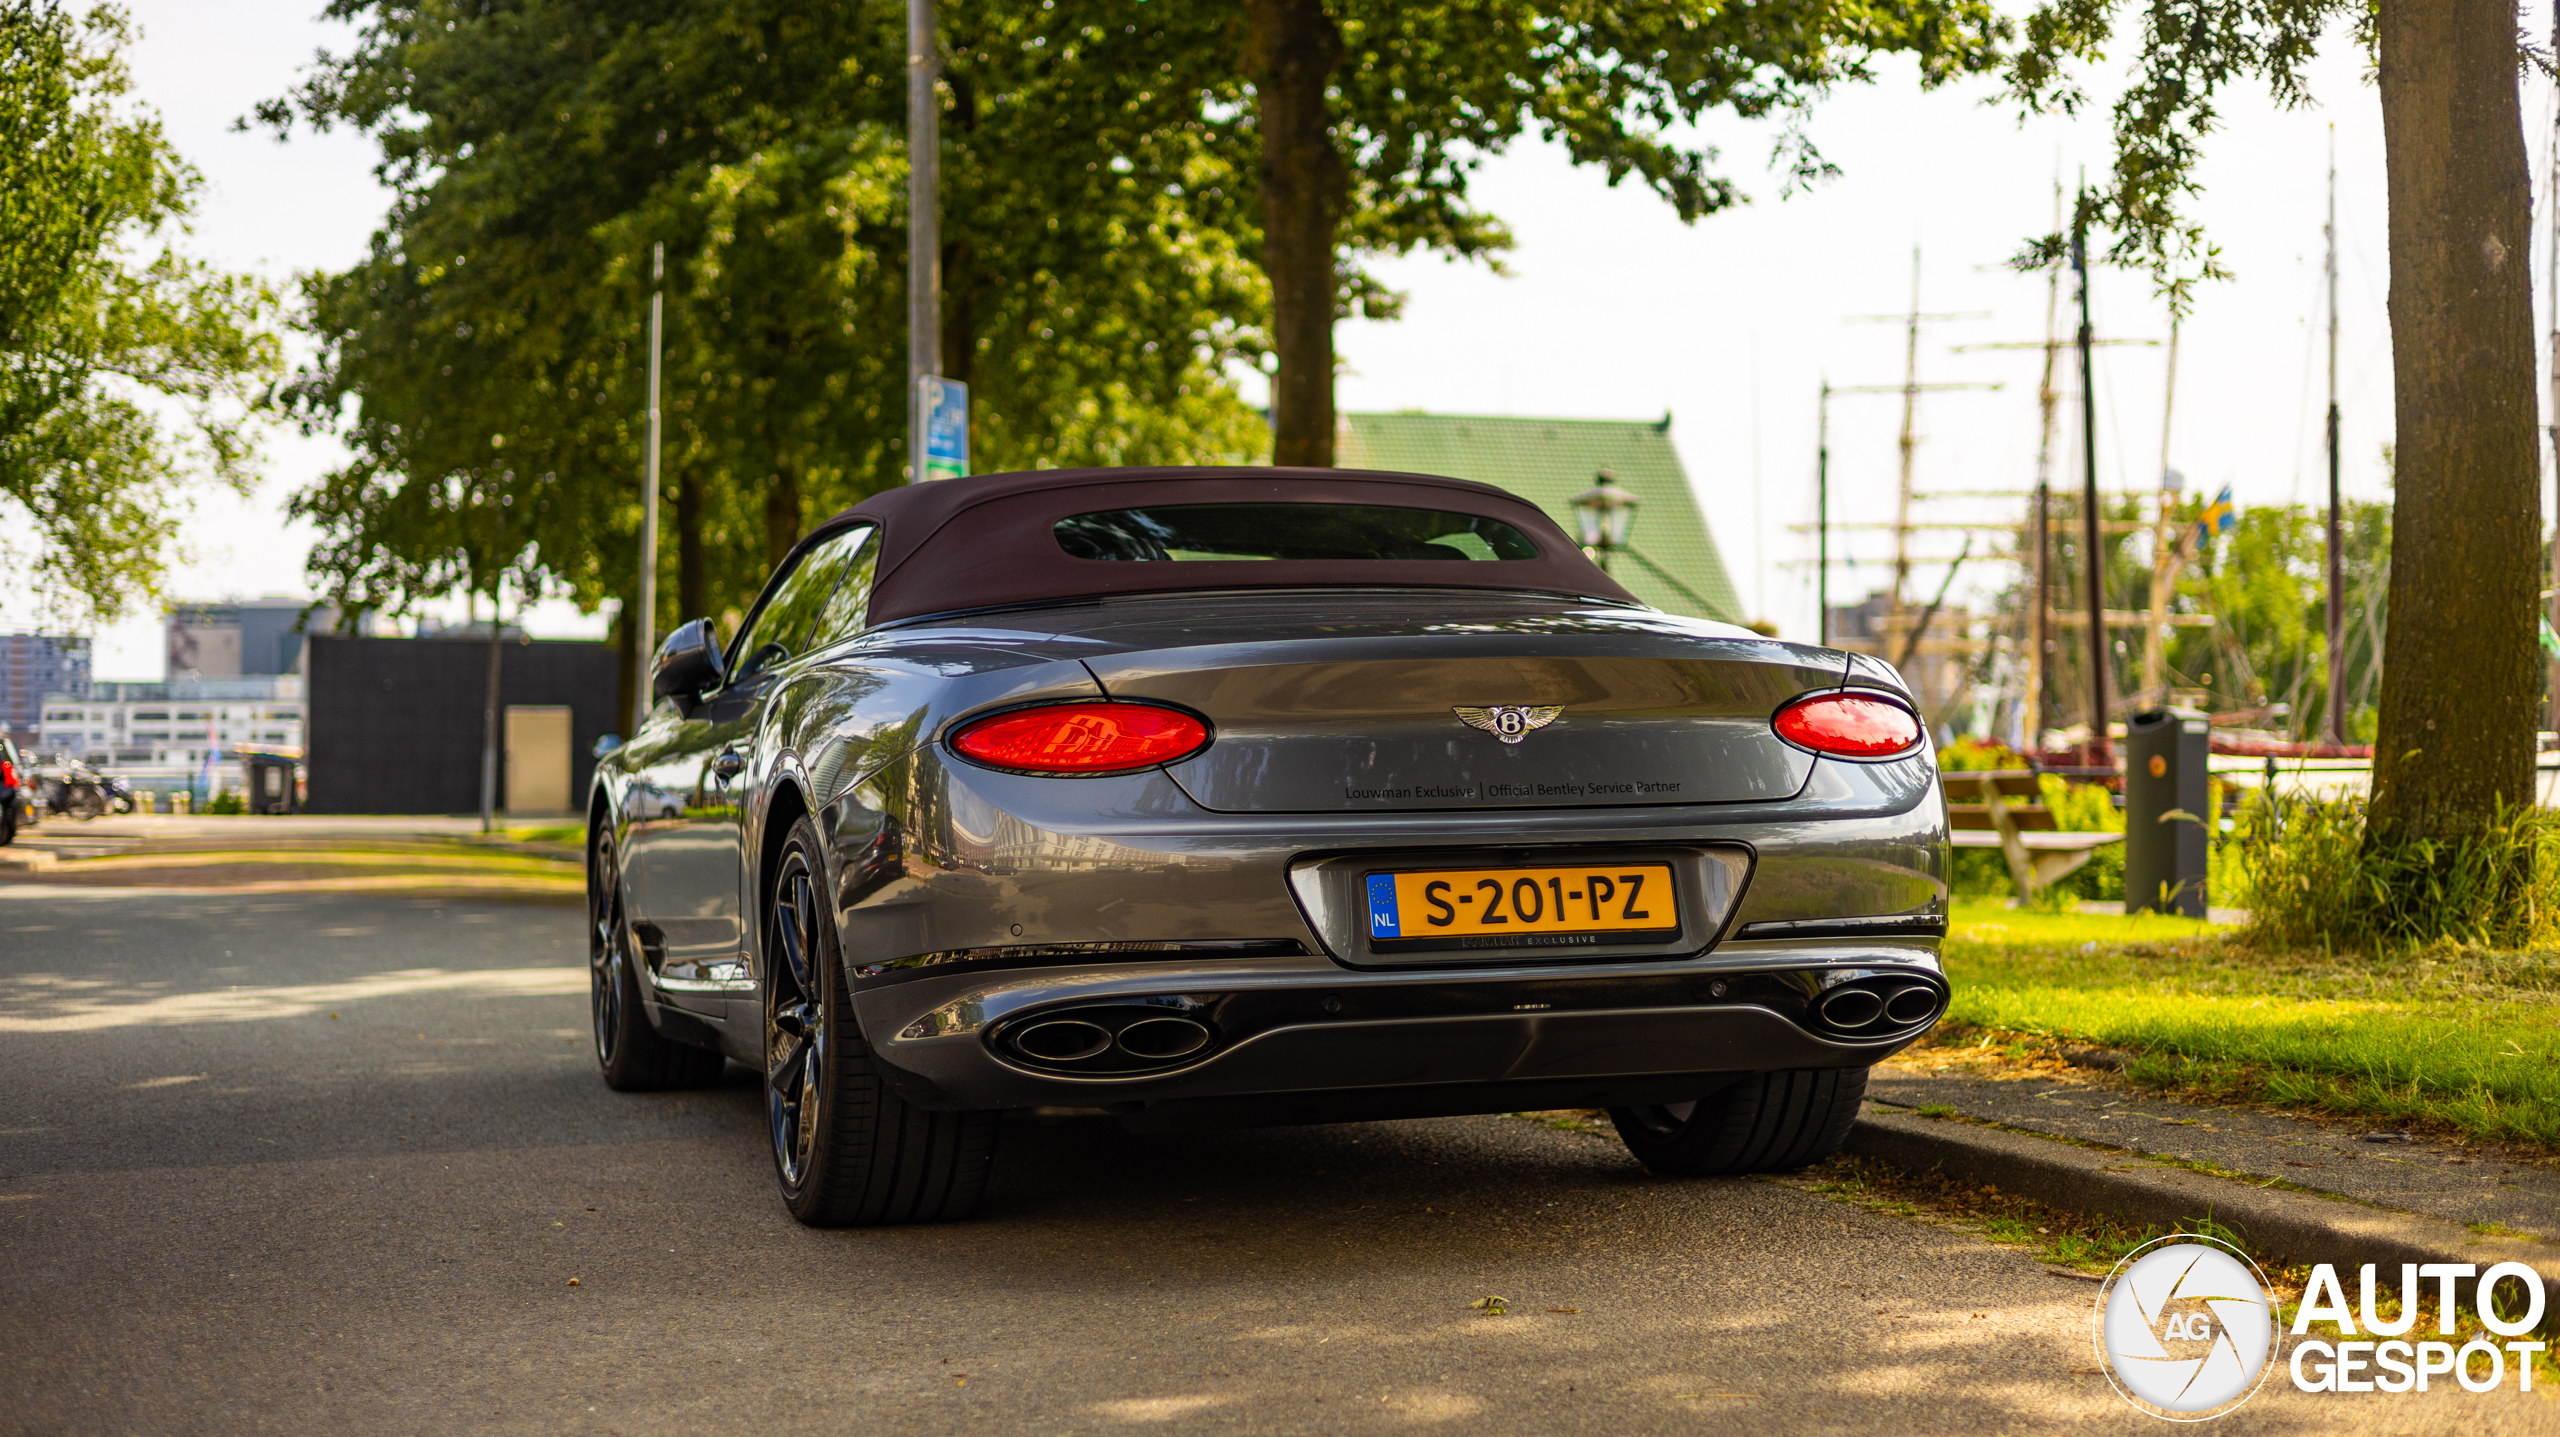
pixel 228 801
pixel 2315 873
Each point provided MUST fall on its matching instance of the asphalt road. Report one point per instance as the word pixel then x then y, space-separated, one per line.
pixel 329 1164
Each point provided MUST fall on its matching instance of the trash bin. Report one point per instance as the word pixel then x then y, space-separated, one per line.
pixel 2167 796
pixel 270 782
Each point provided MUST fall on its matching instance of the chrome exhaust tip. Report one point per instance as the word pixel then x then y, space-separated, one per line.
pixel 1161 1040
pixel 1915 1004
pixel 1063 1040
pixel 1851 1008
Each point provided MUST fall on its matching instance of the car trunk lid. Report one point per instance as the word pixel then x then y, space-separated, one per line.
pixel 1501 715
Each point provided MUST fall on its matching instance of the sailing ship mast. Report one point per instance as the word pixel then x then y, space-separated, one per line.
pixel 2031 712
pixel 2166 556
pixel 2334 723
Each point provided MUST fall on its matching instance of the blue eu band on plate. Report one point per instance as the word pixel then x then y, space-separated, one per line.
pixel 1474 902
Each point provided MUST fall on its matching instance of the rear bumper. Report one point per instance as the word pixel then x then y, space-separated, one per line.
pixel 1302 1040
pixel 995 900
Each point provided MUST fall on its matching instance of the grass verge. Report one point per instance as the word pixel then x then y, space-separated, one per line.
pixel 2460 1040
pixel 2092 1244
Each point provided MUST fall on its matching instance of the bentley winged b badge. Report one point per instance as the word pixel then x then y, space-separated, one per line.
pixel 1509 722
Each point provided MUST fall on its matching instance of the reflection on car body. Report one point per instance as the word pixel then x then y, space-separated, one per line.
pixel 1125 790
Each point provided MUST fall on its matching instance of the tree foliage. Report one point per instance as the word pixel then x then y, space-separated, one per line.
pixel 493 343
pixel 126 368
pixel 1413 97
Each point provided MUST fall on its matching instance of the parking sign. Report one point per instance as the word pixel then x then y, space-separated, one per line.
pixel 946 427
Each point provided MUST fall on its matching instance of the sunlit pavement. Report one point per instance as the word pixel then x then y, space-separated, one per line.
pixel 331 1164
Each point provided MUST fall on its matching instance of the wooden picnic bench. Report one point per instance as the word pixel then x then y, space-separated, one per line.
pixel 1981 814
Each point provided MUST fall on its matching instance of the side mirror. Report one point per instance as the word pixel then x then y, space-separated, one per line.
pixel 689 664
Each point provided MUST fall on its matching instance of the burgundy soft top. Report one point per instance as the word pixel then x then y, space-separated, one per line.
pixel 988 541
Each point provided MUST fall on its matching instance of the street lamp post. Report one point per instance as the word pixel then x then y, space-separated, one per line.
pixel 1603 514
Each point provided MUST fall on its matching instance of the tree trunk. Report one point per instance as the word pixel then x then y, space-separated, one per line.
pixel 693 582
pixel 2460 691
pixel 781 515
pixel 1291 49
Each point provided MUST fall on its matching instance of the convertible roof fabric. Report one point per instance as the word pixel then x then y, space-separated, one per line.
pixel 988 541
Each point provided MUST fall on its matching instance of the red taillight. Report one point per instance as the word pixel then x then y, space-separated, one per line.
pixel 8 774
pixel 1082 738
pixel 1849 725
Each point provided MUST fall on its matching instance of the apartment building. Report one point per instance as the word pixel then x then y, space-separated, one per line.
pixel 126 724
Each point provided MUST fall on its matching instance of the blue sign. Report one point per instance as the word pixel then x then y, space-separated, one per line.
pixel 1384 921
pixel 945 403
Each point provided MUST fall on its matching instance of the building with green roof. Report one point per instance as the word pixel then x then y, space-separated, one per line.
pixel 1671 560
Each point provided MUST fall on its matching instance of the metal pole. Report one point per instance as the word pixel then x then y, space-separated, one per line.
pixel 645 637
pixel 2333 724
pixel 924 224
pixel 1822 518
pixel 489 722
pixel 2092 558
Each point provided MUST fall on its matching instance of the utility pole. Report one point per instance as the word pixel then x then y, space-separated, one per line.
pixel 2093 558
pixel 924 226
pixel 489 718
pixel 1822 516
pixel 2333 725
pixel 645 637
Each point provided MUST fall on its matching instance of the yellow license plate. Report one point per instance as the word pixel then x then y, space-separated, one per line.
pixel 1522 902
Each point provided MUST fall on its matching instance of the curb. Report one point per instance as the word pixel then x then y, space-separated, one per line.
pixel 2288 1227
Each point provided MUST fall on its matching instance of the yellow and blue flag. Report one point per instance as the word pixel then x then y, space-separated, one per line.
pixel 2218 517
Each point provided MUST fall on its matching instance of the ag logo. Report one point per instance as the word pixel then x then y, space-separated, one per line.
pixel 2184 1327
pixel 1509 722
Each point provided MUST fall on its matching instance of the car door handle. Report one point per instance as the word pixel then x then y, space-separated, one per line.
pixel 728 765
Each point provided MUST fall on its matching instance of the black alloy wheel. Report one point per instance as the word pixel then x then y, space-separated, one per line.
pixel 848 1150
pixel 634 1056
pixel 796 1032
pixel 1765 1123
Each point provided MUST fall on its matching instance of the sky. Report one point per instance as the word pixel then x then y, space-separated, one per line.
pixel 1611 308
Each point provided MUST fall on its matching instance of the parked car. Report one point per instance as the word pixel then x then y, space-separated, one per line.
pixel 1252 796
pixel 17 792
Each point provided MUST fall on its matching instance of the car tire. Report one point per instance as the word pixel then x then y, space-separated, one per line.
pixel 634 1056
pixel 1766 1123
pixel 848 1151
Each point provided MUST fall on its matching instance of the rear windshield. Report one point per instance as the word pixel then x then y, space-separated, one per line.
pixel 1226 532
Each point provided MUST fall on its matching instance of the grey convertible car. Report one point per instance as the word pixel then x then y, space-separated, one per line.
pixel 1252 796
